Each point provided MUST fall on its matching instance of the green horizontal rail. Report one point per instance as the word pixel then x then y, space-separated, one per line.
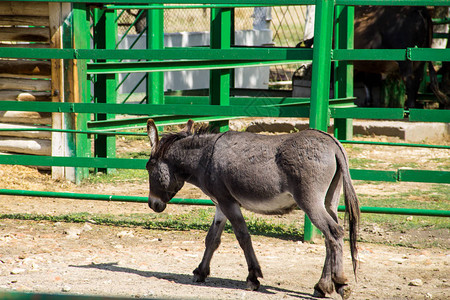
pixel 394 2
pixel 402 211
pixel 374 175
pixel 167 66
pixel 105 128
pixel 186 6
pixel 270 55
pixel 412 54
pixel 249 109
pixel 440 35
pixel 135 123
pixel 369 54
pixel 232 2
pixel 73 131
pixel 206 202
pixel 423 176
pixel 394 144
pixel 172 53
pixel 367 113
pixel 428 54
pixel 159 109
pixel 86 162
pixel 253 100
pixel 438 21
pixel 122 163
pixel 429 115
pixel 263 2
pixel 271 108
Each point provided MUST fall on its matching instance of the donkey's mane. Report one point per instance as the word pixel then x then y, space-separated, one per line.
pixel 167 140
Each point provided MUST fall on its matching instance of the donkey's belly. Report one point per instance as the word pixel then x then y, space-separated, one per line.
pixel 278 205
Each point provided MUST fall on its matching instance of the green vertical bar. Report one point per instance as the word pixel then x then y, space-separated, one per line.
pixel 81 40
pixel 220 80
pixel 105 33
pixel 155 40
pixel 343 84
pixel 320 81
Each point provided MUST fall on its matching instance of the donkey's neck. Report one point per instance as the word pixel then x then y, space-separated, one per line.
pixel 192 156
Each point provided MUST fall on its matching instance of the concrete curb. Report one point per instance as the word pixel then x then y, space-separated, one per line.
pixel 405 130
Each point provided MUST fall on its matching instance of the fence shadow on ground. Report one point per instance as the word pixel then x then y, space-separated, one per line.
pixel 186 279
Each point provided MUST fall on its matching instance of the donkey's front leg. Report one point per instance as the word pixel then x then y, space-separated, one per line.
pixel 212 242
pixel 233 213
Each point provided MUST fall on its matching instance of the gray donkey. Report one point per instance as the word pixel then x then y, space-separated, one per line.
pixel 264 174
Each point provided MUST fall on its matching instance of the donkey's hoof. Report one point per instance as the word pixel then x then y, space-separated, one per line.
pixel 253 284
pixel 323 287
pixel 198 276
pixel 344 290
pixel 318 293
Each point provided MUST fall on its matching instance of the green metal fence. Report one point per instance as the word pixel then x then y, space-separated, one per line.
pixel 104 63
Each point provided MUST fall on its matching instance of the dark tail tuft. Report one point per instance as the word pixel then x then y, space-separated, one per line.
pixel 353 213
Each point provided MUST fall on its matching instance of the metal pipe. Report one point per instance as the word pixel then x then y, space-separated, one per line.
pixel 394 144
pixel 74 131
pixel 144 134
pixel 206 202
pixel 402 211
pixel 193 6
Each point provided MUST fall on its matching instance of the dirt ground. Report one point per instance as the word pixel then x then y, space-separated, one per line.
pixel 74 258
pixel 93 259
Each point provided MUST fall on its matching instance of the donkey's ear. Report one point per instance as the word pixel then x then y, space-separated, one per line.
pixel 152 133
pixel 189 126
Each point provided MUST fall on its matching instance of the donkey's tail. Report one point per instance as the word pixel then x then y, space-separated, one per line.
pixel 352 210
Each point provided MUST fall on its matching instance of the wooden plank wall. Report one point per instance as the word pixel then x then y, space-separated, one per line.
pixel 26 24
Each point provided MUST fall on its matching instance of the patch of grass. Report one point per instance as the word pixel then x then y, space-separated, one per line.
pixel 435 198
pixel 135 155
pixel 117 177
pixel 362 162
pixel 443 163
pixel 197 219
pixel 364 182
pixel 353 148
pixel 411 165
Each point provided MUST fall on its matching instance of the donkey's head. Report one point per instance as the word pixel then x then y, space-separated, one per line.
pixel 164 180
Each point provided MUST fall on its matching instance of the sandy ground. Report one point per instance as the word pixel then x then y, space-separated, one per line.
pixel 105 260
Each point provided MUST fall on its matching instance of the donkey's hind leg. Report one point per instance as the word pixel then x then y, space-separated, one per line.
pixel 325 284
pixel 333 268
pixel 331 205
pixel 212 242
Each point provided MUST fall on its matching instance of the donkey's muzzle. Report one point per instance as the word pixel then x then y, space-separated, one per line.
pixel 156 204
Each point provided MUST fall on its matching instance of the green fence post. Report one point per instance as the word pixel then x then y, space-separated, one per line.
pixel 105 33
pixel 320 81
pixel 155 40
pixel 81 40
pixel 220 80
pixel 343 76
